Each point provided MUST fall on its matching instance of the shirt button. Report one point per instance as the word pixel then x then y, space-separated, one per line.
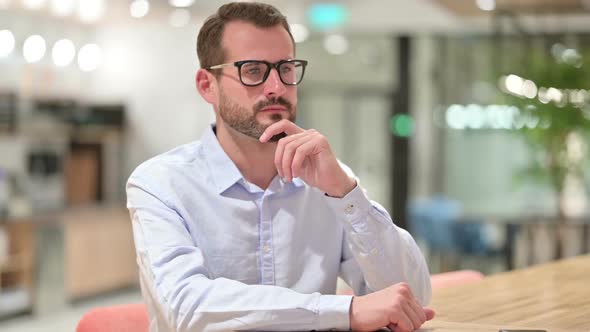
pixel 349 208
pixel 266 248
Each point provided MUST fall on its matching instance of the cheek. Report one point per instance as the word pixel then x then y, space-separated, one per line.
pixel 237 95
pixel 292 96
pixel 291 93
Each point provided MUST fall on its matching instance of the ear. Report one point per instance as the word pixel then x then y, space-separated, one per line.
pixel 207 86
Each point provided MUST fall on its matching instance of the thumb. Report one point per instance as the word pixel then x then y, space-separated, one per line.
pixel 429 313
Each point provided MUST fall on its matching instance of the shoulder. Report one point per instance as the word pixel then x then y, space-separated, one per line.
pixel 178 162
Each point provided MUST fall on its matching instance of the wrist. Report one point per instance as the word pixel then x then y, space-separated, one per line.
pixel 343 188
pixel 353 315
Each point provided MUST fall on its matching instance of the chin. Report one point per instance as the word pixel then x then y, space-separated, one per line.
pixel 271 118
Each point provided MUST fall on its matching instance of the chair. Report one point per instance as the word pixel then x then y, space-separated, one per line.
pixel 438 222
pixel 119 318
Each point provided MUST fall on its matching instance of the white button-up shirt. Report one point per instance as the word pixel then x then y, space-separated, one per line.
pixel 217 253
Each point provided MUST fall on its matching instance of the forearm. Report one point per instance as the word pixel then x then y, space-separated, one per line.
pixel 196 303
pixel 176 281
pixel 385 253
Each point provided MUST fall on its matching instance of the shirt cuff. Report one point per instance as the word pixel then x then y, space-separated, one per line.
pixel 353 207
pixel 334 312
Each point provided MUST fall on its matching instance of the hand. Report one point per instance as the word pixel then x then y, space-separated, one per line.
pixel 394 307
pixel 307 154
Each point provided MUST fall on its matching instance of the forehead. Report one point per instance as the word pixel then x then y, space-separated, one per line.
pixel 245 41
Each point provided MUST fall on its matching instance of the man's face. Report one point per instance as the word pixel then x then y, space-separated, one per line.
pixel 250 110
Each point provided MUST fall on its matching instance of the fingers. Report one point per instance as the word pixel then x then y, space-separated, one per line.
pixel 410 311
pixel 394 307
pixel 413 316
pixel 292 151
pixel 402 324
pixel 294 146
pixel 304 150
pixel 418 310
pixel 429 313
pixel 283 126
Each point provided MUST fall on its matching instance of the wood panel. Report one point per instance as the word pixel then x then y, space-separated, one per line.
pixel 99 251
pixel 17 271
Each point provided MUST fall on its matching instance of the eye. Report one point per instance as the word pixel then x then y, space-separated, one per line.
pixel 252 69
pixel 286 68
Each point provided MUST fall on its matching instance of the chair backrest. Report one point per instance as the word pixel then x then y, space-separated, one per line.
pixel 431 220
pixel 119 318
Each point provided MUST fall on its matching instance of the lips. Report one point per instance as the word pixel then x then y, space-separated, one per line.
pixel 273 109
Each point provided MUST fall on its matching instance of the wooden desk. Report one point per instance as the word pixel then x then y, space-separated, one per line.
pixel 554 297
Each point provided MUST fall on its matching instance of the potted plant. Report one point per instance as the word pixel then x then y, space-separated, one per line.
pixel 552 94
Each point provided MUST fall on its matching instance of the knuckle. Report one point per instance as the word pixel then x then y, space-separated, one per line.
pixel 289 148
pixel 404 292
pixel 396 307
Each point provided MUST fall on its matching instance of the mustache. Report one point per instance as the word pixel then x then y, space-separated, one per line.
pixel 272 102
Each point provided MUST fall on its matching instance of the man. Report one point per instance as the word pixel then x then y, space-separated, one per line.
pixel 249 228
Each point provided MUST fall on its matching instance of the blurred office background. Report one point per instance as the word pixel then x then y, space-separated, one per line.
pixel 468 120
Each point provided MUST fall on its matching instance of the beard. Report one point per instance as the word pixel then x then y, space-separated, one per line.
pixel 243 120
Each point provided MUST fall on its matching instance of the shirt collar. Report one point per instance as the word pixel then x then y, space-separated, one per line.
pixel 223 170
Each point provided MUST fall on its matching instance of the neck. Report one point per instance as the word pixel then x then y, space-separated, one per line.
pixel 255 160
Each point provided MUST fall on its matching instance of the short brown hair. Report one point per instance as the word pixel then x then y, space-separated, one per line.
pixel 209 48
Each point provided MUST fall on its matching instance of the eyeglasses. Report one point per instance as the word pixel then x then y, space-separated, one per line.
pixel 255 72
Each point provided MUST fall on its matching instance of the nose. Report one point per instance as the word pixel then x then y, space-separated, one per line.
pixel 274 86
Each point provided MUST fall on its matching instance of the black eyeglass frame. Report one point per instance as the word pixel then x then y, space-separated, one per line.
pixel 269 67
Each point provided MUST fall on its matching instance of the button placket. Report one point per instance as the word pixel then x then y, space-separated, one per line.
pixel 267 261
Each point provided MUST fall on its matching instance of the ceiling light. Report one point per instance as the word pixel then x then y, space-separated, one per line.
pixel 336 44
pixel 90 10
pixel 139 8
pixel 486 5
pixel 89 57
pixel 6 42
pixel 34 48
pixel 33 4
pixel 300 32
pixel 181 3
pixel 63 52
pixel 62 7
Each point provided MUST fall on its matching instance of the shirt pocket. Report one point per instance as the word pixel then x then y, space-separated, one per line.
pixel 243 268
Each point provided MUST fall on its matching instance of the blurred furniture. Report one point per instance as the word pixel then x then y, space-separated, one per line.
pixel 439 222
pixel 120 318
pixel 99 251
pixel 552 297
pixel 16 273
pixel 537 235
pixel 8 112
pixel 63 257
